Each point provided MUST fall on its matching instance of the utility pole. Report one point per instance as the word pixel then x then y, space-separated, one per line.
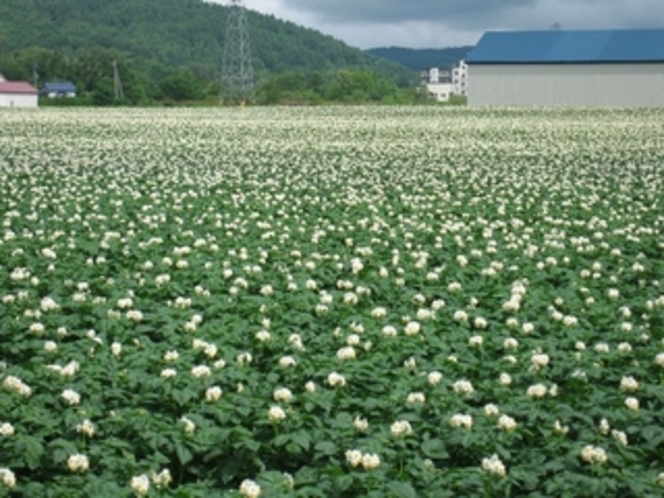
pixel 35 75
pixel 237 74
pixel 117 83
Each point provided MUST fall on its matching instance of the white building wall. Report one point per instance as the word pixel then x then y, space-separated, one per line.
pixel 592 85
pixel 441 91
pixel 460 78
pixel 18 100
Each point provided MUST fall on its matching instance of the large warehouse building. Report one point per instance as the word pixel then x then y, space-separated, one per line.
pixel 599 68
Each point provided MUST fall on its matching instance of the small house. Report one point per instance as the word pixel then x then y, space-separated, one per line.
pixel 58 89
pixel 18 94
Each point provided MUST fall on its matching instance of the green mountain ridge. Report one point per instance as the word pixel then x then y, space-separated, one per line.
pixel 420 59
pixel 157 37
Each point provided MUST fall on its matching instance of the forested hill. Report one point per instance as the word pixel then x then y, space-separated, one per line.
pixel 159 36
pixel 419 59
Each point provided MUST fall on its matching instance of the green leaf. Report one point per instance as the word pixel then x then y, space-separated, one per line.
pixel 32 451
pixel 326 447
pixel 342 483
pixel 402 489
pixel 302 439
pixel 435 448
pixel 182 397
pixel 184 455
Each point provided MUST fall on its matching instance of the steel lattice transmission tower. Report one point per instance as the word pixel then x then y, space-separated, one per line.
pixel 237 74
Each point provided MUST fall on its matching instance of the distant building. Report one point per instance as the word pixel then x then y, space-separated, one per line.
pixel 597 68
pixel 438 82
pixel 460 78
pixel 17 94
pixel 59 89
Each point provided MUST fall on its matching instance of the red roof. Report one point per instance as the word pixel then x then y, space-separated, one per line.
pixel 17 87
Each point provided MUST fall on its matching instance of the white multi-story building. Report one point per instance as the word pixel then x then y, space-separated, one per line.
pixel 443 83
pixel 438 82
pixel 460 78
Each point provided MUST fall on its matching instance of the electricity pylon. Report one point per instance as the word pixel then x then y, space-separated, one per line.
pixel 237 74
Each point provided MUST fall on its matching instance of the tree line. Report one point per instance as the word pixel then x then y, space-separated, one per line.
pixel 92 72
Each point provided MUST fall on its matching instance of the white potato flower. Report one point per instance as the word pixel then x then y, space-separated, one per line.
pixel 476 341
pixel 659 359
pixel 539 360
pixel 354 457
pixel 335 379
pixel 189 425
pixel 593 454
pixel 370 461
pixel 620 436
pixel 389 331
pixel 629 384
pixel 461 420
pixel 86 427
pixel 401 428
pixel 6 429
pixel 263 336
pixel 505 379
pixel 536 391
pixel 361 424
pixel 346 353
pixel 276 413
pixel 632 403
pixel 463 387
pixel 140 484
pixel 168 373
pixel 116 349
pixel 250 489
pixel 171 356
pixel 434 378
pixel 282 394
pixel 491 410
pixel 71 397
pixel 510 343
pixel 201 371
pixel 506 423
pixel 414 398
pixel 78 463
pixel 244 358
pixel 162 479
pixel 48 304
pixel 7 478
pixel 213 394
pixel 528 328
pixel 37 328
pixel 287 361
pixel 559 428
pixel 493 465
pixel 379 312
pixel 50 346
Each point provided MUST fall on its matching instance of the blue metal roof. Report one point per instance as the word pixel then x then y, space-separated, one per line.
pixel 562 46
pixel 60 87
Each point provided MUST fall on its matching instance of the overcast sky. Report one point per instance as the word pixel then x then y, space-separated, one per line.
pixel 446 23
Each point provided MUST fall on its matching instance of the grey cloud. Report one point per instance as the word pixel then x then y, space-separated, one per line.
pixel 431 23
pixel 397 11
